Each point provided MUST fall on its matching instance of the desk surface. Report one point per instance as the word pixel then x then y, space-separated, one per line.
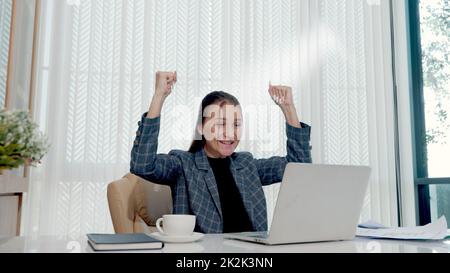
pixel 215 243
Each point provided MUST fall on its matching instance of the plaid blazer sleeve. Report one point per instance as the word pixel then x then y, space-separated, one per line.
pixel 145 162
pixel 271 169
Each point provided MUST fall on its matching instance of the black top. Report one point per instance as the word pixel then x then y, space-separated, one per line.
pixel 235 217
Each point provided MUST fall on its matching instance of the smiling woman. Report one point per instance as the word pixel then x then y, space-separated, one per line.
pixel 225 206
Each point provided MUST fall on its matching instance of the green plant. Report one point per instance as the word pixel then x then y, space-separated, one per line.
pixel 435 23
pixel 21 142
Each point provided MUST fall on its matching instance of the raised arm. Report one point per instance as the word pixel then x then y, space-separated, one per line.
pixel 271 170
pixel 145 162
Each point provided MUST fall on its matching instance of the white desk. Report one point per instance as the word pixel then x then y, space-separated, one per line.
pixel 213 243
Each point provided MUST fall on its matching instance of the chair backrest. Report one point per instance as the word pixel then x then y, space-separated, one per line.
pixel 132 197
pixel 152 201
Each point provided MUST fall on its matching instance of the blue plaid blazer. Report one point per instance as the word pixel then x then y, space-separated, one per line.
pixel 192 181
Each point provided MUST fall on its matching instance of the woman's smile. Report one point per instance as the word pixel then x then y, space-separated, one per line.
pixel 227 143
pixel 227 147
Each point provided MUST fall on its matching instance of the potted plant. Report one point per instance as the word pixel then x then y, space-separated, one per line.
pixel 21 142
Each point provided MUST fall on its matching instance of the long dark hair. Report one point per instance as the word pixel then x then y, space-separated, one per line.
pixel 212 98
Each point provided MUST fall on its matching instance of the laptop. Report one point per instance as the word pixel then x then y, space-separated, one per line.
pixel 316 203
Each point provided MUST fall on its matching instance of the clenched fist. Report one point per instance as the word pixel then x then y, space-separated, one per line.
pixel 164 82
pixel 281 95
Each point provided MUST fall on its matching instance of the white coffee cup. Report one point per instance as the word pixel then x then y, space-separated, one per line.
pixel 176 224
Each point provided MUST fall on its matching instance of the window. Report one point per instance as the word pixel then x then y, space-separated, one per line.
pixel 430 63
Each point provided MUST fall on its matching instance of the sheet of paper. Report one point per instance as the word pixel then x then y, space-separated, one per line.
pixel 371 224
pixel 433 231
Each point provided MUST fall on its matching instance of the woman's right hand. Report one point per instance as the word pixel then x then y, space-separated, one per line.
pixel 164 82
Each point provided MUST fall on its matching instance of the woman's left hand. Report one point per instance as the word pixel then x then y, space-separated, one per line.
pixel 281 95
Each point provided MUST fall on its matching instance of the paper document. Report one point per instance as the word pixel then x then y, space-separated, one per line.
pixel 371 224
pixel 433 231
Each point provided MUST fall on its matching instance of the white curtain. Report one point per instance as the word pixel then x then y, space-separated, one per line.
pixel 97 62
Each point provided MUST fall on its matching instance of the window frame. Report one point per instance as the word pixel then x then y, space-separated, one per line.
pixel 421 179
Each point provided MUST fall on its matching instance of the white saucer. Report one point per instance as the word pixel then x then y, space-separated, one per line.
pixel 177 239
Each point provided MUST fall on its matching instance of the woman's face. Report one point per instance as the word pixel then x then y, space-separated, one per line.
pixel 221 129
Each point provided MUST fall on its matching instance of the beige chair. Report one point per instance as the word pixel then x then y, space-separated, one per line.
pixel 135 204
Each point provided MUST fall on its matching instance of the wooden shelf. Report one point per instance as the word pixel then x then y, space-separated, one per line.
pixel 11 182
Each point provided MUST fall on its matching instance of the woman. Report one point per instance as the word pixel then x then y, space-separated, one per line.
pixel 221 187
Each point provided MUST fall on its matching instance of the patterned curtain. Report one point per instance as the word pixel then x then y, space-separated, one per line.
pixel 97 64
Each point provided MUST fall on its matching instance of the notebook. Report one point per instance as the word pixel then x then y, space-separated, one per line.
pixel 131 241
